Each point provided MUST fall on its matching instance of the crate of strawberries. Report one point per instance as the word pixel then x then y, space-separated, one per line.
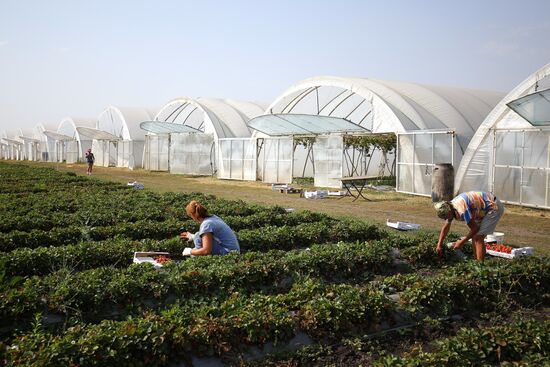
pixel 157 259
pixel 500 250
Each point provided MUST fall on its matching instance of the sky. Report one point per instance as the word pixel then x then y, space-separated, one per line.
pixel 62 58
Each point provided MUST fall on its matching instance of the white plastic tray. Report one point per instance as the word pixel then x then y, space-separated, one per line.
pixel 147 257
pixel 403 226
pixel 517 252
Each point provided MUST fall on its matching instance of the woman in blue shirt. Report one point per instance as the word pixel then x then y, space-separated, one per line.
pixel 214 237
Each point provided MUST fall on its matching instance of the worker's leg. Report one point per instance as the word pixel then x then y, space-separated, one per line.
pixel 479 247
pixel 487 226
pixel 197 241
pixel 218 249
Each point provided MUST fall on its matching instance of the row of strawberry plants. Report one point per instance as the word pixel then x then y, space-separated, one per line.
pixel 93 293
pixel 98 291
pixel 88 202
pixel 61 236
pixel 104 208
pixel 182 331
pixel 448 339
pixel 149 229
pixel 118 252
pixel 320 311
pixel 523 343
pixel 474 287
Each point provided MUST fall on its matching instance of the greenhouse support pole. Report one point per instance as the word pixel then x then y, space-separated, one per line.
pixel 414 164
pixel 398 170
pixel 292 164
pixel 453 150
pixel 547 171
pixel 521 169
pixel 493 168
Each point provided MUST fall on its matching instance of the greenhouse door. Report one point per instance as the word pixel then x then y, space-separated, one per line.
pixel 237 159
pixel 191 154
pixel 124 152
pixel 35 149
pixel 71 151
pixel 417 153
pixel 277 158
pixel 104 152
pixel 60 151
pixel 328 153
pixel 157 148
pixel 521 167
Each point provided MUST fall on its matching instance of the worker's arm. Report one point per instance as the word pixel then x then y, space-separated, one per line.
pixel 474 228
pixel 207 241
pixel 444 231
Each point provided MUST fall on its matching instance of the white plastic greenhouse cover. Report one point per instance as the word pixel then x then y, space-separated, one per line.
pixel 473 172
pixel 96 134
pixel 389 106
pixel 29 139
pixel 300 124
pixel 27 134
pixel 57 136
pixel 223 118
pixel 40 128
pixel 47 145
pixel 123 122
pixel 68 126
pixel 13 141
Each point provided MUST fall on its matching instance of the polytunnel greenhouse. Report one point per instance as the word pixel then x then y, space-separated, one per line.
pixel 510 152
pixel 31 145
pixel 117 139
pixel 48 145
pixel 13 145
pixel 433 124
pixel 201 136
pixel 70 144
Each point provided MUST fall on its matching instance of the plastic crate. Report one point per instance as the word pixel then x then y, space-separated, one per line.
pixel 319 194
pixel 517 252
pixel 403 226
pixel 148 257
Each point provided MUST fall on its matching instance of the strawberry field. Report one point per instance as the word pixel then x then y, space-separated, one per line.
pixel 307 289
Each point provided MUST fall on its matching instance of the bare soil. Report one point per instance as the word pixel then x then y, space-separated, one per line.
pixel 522 226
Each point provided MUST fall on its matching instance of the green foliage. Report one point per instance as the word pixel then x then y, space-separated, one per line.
pixel 305 141
pixel 520 342
pixel 368 143
pixel 69 294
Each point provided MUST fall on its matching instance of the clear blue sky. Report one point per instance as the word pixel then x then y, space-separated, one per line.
pixel 73 58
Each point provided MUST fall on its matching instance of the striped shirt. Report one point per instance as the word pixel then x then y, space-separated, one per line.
pixel 474 205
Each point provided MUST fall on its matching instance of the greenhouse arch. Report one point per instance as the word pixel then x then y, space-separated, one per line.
pixel 507 154
pixel 425 117
pixel 212 121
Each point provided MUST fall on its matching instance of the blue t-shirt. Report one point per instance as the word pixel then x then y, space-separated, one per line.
pixel 224 238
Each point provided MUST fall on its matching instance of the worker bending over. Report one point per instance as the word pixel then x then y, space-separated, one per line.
pixel 214 237
pixel 480 210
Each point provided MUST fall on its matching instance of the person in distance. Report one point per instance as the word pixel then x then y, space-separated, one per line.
pixel 90 159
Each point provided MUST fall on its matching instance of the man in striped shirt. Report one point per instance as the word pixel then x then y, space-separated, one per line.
pixel 480 210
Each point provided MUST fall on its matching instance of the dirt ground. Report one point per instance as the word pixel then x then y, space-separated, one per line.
pixel 522 226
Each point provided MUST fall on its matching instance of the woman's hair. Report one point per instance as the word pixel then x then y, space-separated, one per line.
pixel 194 208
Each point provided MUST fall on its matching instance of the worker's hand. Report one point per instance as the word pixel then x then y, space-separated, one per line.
pixel 187 251
pixel 455 245
pixel 187 235
pixel 439 251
